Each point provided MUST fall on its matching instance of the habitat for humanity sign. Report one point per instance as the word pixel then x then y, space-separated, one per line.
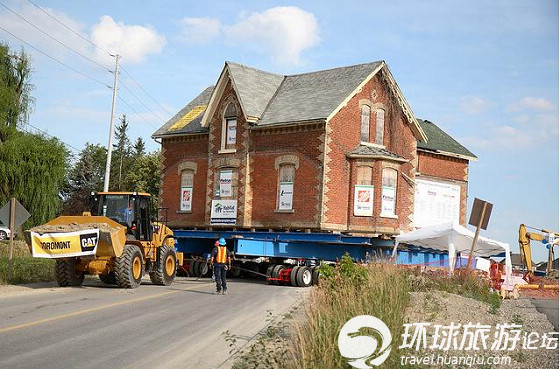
pixel 223 212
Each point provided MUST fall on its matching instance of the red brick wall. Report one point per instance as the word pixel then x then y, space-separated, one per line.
pixel 344 133
pixel 174 152
pixel 266 146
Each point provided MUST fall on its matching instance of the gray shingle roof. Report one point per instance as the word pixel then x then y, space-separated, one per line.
pixel 194 125
pixel 366 150
pixel 439 141
pixel 255 87
pixel 316 95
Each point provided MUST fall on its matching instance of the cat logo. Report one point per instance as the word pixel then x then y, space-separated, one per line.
pixel 88 241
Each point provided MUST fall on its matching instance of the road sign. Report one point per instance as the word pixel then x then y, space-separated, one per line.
pixel 21 214
pixel 481 209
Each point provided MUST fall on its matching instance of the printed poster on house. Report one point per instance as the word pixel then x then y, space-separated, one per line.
pixel 231 132
pixel 186 198
pixel 388 201
pixel 363 201
pixel 286 196
pixel 436 202
pixel 223 212
pixel 225 183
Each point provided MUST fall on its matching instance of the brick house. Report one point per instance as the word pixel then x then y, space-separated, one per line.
pixel 334 150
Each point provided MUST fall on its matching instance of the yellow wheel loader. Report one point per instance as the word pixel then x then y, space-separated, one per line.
pixel 116 239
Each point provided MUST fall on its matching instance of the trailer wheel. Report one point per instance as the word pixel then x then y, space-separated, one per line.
pixel 202 269
pixel 66 273
pixel 293 276
pixel 304 277
pixel 166 266
pixel 129 267
pixel 315 277
pixel 108 278
pixel 269 271
pixel 276 273
pixel 235 271
pixel 192 268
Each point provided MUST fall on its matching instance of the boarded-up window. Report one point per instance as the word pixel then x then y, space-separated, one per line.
pixel 225 183
pixel 389 192
pixel 364 176
pixel 286 177
pixel 379 126
pixel 366 112
pixel 229 129
pixel 186 195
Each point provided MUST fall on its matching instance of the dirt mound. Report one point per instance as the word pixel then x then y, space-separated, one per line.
pixel 72 227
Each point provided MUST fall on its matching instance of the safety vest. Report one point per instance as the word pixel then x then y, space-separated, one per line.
pixel 221 256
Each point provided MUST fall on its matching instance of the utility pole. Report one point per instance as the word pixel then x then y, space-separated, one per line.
pixel 112 126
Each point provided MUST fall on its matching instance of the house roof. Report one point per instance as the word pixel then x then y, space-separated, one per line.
pixel 272 99
pixel 365 151
pixel 442 143
pixel 187 120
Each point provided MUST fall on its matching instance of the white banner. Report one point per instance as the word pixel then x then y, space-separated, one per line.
pixel 363 201
pixel 223 212
pixel 231 132
pixel 436 202
pixel 64 244
pixel 286 196
pixel 186 199
pixel 226 177
pixel 388 200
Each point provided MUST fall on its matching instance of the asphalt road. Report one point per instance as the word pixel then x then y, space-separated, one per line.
pixel 97 326
pixel 549 308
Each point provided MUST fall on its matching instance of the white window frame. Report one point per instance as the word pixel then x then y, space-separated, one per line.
pixel 229 120
pixel 285 186
pixel 186 207
pixel 387 190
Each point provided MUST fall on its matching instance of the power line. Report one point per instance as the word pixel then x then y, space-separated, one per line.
pixel 146 92
pixel 136 112
pixel 55 59
pixel 54 38
pixel 48 135
pixel 141 102
pixel 70 29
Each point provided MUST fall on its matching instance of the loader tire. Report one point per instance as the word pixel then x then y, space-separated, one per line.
pixel 166 266
pixel 108 278
pixel 66 274
pixel 129 267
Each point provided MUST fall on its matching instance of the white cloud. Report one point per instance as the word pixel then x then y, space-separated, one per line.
pixel 531 103
pixel 133 42
pixel 282 32
pixel 474 104
pixel 200 30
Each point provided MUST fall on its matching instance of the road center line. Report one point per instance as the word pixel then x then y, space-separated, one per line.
pixel 86 311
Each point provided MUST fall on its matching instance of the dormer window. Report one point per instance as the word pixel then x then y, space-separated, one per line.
pixel 229 128
pixel 366 112
pixel 379 126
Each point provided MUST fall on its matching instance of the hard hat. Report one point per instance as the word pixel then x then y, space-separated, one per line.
pixel 222 242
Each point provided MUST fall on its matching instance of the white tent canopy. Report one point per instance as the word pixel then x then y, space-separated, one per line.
pixel 454 238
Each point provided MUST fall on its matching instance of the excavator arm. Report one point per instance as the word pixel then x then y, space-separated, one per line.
pixel 525 239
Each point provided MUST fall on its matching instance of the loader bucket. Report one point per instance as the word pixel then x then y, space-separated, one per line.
pixel 77 236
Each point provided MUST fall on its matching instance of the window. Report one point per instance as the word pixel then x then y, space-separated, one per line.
pixel 379 126
pixel 365 123
pixel 389 192
pixel 187 184
pixel 286 178
pixel 229 127
pixel 364 176
pixel 225 184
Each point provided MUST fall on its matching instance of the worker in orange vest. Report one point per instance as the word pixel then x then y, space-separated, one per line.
pixel 221 262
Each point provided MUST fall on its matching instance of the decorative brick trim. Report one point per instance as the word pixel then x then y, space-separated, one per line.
pixel 286 159
pixel 226 163
pixel 187 165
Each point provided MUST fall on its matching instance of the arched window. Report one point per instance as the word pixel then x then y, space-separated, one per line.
pixel 187 185
pixel 225 184
pixel 229 127
pixel 389 192
pixel 364 176
pixel 286 177
pixel 379 126
pixel 366 112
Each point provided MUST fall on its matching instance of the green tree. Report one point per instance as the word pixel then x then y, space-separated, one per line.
pixel 33 169
pixel 145 175
pixel 86 175
pixel 16 102
pixel 121 156
pixel 139 148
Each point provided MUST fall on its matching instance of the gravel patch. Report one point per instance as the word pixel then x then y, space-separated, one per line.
pixel 443 308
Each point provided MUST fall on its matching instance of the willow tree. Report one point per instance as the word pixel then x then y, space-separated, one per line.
pixel 33 170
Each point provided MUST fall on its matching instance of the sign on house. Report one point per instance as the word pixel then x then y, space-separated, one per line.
pixel 436 202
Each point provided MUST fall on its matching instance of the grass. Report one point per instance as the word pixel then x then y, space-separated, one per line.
pixel 26 269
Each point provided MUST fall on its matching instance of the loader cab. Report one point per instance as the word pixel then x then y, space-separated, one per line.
pixel 131 209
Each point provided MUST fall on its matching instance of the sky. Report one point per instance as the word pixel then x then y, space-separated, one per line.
pixel 484 71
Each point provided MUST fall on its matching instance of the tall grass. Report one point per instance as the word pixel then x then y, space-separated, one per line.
pixel 349 290
pixel 26 269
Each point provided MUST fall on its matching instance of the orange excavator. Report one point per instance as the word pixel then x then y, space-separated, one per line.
pixel 525 238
